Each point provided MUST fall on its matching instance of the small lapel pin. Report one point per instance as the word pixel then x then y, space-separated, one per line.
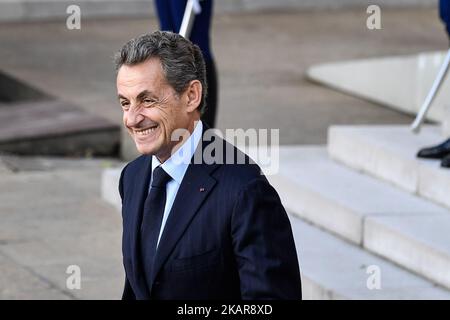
pixel 202 189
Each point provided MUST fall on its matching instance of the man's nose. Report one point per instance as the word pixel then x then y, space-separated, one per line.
pixel 134 117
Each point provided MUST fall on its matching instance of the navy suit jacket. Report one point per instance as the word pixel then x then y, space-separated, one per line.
pixel 227 235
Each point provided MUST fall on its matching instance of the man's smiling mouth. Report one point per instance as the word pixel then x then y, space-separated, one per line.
pixel 144 132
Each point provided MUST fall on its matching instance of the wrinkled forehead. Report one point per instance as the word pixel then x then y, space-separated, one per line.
pixel 133 79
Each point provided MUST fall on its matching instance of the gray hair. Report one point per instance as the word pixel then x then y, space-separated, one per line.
pixel 181 60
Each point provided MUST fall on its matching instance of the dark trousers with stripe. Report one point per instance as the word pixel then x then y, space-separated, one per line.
pixel 170 13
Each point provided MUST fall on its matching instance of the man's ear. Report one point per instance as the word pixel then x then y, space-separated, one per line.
pixel 194 95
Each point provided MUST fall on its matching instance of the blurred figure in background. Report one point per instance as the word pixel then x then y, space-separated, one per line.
pixel 444 12
pixel 442 150
pixel 170 13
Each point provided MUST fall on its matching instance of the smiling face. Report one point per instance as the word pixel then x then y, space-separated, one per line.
pixel 152 109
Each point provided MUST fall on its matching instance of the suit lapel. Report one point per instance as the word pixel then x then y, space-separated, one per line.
pixel 196 185
pixel 194 189
pixel 142 181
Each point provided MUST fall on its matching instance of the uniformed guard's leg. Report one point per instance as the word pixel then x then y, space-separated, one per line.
pixel 177 11
pixel 164 11
pixel 442 150
pixel 200 35
pixel 444 13
pixel 445 162
pixel 209 116
pixel 171 14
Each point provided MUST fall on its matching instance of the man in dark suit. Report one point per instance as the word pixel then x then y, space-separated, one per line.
pixel 193 228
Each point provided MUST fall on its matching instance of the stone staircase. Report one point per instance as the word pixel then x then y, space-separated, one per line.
pixel 363 202
pixel 389 153
pixel 403 228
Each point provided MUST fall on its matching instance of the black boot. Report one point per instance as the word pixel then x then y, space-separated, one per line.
pixel 445 162
pixel 436 152
pixel 209 116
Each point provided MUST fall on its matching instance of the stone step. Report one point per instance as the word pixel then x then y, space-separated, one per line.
pixel 400 226
pixel 337 198
pixel 335 269
pixel 420 243
pixel 54 127
pixel 389 153
pixel 358 208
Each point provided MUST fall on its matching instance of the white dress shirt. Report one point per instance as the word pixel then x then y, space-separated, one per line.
pixel 176 167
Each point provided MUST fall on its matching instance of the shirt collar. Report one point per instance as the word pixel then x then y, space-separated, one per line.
pixel 178 162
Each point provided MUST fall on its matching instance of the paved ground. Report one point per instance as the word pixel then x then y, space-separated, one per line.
pixel 52 217
pixel 51 212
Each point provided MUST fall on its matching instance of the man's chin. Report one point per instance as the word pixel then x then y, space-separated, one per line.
pixel 145 149
pixel 147 145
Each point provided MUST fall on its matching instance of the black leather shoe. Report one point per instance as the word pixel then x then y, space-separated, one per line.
pixel 445 162
pixel 436 152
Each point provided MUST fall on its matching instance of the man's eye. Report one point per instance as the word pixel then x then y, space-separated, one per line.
pixel 149 102
pixel 125 105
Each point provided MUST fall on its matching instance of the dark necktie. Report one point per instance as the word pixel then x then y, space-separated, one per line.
pixel 152 219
